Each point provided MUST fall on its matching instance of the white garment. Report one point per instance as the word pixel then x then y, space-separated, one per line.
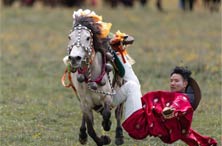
pixel 130 92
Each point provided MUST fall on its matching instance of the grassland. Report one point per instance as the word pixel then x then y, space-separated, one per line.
pixel 36 110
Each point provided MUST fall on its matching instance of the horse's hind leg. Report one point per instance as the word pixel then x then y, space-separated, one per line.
pixel 103 140
pixel 83 134
pixel 119 131
pixel 106 113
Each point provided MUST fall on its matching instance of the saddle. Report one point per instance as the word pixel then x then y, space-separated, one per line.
pixel 118 44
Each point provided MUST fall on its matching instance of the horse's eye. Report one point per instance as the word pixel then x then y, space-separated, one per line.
pixel 88 38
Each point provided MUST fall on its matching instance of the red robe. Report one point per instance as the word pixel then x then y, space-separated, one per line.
pixel 149 120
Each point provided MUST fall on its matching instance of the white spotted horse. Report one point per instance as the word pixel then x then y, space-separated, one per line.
pixel 95 77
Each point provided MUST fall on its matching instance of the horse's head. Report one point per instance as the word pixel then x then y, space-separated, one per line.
pixel 87 37
pixel 80 46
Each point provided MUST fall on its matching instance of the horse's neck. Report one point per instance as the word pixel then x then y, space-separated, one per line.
pixel 97 65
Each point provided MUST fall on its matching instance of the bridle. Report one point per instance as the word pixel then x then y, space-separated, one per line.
pixel 87 60
pixel 89 49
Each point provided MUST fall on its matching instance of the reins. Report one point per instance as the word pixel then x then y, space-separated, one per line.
pixel 70 85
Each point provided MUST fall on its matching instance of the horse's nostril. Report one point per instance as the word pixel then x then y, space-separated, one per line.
pixel 75 59
pixel 78 58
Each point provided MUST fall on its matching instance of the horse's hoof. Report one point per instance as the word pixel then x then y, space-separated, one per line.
pixel 83 138
pixel 119 141
pixel 119 136
pixel 106 140
pixel 83 141
pixel 107 125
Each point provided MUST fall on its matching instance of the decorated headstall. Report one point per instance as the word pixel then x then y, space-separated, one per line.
pixel 89 49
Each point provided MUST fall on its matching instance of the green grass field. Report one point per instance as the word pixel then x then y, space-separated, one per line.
pixel 36 110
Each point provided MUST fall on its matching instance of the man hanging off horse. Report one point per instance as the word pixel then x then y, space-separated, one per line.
pixel 171 105
pixel 168 115
pixel 164 114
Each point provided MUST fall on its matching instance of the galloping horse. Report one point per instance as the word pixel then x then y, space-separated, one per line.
pixel 92 77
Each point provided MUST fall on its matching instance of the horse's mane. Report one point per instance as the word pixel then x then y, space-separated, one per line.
pixel 100 44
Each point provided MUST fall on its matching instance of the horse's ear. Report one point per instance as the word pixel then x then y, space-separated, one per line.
pixel 128 40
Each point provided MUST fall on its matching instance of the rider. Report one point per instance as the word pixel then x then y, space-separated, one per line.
pixel 168 115
pixel 180 81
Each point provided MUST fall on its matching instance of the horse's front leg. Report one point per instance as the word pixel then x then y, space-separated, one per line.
pixel 103 140
pixel 106 113
pixel 83 134
pixel 119 131
pixel 159 5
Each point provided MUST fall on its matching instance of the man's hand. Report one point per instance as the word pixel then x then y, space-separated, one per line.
pixel 168 112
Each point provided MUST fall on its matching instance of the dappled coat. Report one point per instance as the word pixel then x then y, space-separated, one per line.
pixel 149 120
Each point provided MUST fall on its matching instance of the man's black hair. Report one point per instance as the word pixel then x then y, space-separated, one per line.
pixel 183 71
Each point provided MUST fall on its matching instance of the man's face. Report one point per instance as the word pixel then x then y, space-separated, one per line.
pixel 177 83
